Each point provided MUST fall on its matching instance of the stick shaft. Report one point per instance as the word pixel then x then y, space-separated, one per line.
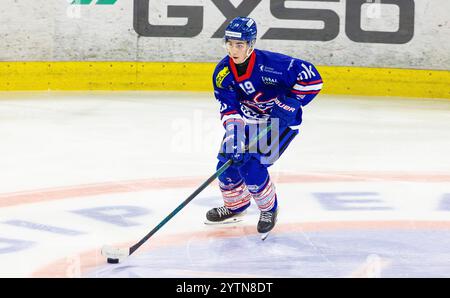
pixel 195 193
pixel 182 205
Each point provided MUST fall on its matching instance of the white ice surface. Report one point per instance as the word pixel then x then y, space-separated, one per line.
pixel 57 141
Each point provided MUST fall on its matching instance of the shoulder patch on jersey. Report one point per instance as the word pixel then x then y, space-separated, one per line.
pixel 221 76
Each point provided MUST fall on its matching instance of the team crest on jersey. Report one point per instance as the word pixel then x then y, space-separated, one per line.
pixel 261 107
pixel 269 81
pixel 251 114
pixel 221 76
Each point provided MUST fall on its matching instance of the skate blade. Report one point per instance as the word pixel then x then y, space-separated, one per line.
pixel 264 236
pixel 225 222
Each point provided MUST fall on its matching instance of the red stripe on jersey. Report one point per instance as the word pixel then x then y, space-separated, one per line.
pixel 305 92
pixel 228 113
pixel 309 83
pixel 257 96
pixel 248 73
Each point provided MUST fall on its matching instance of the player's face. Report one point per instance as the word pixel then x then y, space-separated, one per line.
pixel 237 50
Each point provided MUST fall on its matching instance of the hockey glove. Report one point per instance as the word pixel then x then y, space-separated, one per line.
pixel 288 111
pixel 233 144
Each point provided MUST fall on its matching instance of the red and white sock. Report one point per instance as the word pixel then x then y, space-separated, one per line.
pixel 235 197
pixel 266 198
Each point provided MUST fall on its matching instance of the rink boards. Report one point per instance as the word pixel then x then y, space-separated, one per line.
pixel 126 76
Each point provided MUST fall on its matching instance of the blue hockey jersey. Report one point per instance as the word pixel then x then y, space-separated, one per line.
pixel 270 76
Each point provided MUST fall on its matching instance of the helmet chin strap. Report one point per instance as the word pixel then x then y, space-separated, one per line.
pixel 249 52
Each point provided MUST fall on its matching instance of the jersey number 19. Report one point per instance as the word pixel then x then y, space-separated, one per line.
pixel 248 88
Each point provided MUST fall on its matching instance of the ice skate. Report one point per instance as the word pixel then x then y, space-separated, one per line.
pixel 223 215
pixel 267 221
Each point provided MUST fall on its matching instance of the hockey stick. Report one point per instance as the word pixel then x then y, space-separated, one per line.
pixel 114 254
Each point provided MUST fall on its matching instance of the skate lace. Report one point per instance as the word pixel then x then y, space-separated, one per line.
pixel 265 216
pixel 223 211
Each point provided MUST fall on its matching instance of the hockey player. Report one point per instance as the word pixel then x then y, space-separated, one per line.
pixel 255 87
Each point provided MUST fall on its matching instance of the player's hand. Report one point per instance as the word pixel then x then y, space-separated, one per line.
pixel 233 145
pixel 239 156
pixel 288 111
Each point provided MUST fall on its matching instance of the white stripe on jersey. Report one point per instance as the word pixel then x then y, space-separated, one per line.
pixel 307 88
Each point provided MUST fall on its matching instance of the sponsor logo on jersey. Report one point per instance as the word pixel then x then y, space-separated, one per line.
pixel 307 73
pixel 221 76
pixel 268 69
pixel 284 106
pixel 269 81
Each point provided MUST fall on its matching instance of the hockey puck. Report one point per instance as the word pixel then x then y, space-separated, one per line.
pixel 113 261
